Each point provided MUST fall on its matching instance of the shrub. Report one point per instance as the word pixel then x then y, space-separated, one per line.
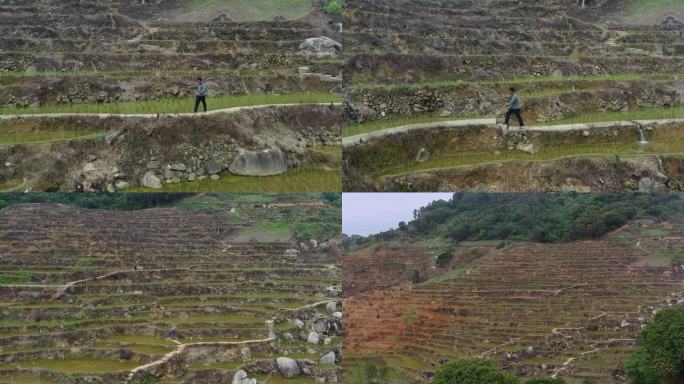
pixel 545 381
pixel 472 371
pixel 333 7
pixel 660 359
pixel 444 258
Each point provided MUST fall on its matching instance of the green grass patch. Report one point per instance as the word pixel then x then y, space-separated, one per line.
pixel 518 80
pixel 247 10
pixel 45 136
pixel 637 7
pixel 71 366
pixel 295 180
pixel 26 379
pixel 637 114
pixel 601 149
pixel 267 231
pixel 175 105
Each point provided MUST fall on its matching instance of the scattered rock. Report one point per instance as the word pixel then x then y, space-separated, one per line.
pixel 329 358
pixel 125 354
pixel 288 367
pixel 671 22
pixel 223 18
pixel 150 180
pixel 314 243
pixel 313 338
pixel 212 167
pixel 288 337
pixel 331 307
pixel 179 167
pixel 337 315
pixel 298 323
pixel 241 377
pixel 423 155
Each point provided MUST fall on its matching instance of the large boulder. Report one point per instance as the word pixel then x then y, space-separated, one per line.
pixel 267 162
pixel 320 47
pixel 150 180
pixel 288 367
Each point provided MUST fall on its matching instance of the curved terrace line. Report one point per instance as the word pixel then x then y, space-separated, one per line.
pixel 181 347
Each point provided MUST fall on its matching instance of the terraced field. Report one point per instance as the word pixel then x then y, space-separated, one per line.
pixel 569 310
pixel 435 62
pixel 203 292
pixel 74 73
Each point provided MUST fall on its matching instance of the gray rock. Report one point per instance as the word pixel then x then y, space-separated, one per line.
pixel 327 341
pixel 288 367
pixel 212 167
pixel 153 164
pixel 671 22
pixel 298 323
pixel 268 162
pixel 125 354
pixel 648 185
pixel 288 337
pixel 121 184
pixel 178 167
pixel 320 47
pixel 150 180
pixel 215 177
pixel 331 307
pixel 314 243
pixel 291 253
pixel 423 155
pixel 329 358
pixel 223 18
pixel 337 315
pixel 313 338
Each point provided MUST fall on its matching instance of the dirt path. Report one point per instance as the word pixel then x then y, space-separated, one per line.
pixel 365 137
pixel 157 115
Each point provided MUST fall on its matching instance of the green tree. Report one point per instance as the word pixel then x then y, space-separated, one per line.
pixel 660 358
pixel 472 371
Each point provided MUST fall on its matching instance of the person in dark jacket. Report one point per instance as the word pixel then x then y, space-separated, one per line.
pixel 200 94
pixel 514 108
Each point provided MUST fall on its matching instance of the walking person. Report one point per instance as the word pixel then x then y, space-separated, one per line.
pixel 200 95
pixel 514 108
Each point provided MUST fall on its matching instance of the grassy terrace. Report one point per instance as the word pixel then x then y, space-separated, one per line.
pixel 170 106
pixel 520 80
pixel 294 180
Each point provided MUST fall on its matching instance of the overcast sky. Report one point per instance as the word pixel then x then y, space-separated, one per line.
pixel 369 213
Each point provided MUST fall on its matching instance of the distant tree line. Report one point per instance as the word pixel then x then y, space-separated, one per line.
pixel 538 217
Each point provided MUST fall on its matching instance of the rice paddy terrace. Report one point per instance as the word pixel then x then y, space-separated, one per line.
pixel 74 73
pixel 569 310
pixel 438 63
pixel 194 293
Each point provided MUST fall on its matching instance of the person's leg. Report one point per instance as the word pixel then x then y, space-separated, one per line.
pixel 204 103
pixel 519 116
pixel 197 102
pixel 508 116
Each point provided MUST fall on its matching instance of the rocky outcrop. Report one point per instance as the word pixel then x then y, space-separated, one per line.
pixel 267 162
pixel 320 47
